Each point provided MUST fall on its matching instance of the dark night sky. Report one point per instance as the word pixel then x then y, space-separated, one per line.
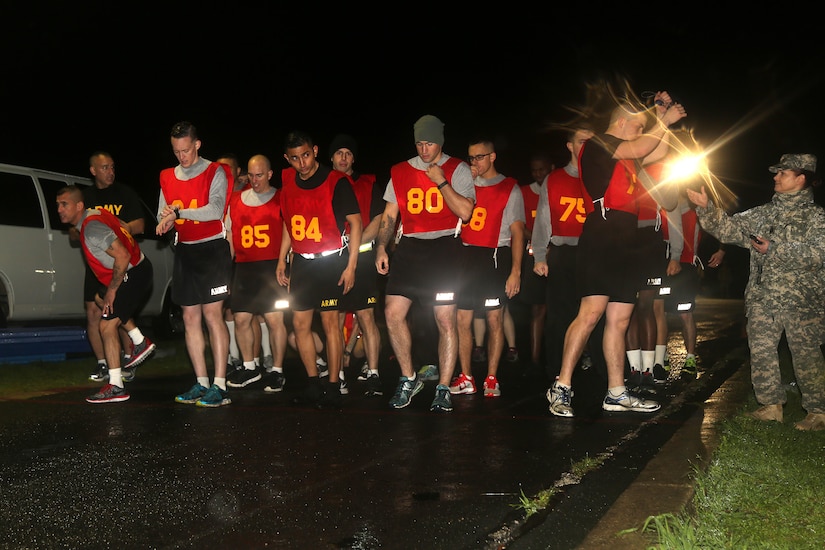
pixel 80 79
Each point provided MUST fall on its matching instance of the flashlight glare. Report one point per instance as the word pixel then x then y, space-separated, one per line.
pixel 687 167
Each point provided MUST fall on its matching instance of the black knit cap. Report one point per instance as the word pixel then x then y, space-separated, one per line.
pixel 343 141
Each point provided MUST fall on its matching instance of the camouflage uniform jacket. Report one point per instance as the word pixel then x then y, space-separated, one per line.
pixel 790 275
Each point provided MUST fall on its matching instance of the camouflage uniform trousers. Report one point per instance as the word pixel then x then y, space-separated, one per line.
pixel 804 333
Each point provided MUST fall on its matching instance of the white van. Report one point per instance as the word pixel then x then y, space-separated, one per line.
pixel 42 271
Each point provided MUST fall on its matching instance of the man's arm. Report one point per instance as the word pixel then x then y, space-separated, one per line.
pixel 286 243
pixel 386 232
pixel 458 204
pixel 518 243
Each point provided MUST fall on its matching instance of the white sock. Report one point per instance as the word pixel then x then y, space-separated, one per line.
pixel 647 360
pixel 203 381
pixel 373 371
pixel 221 383
pixel 101 362
pixel 249 365
pixel 634 356
pixel 257 361
pixel 265 344
pixel 660 352
pixel 233 343
pixel 115 377
pixel 136 336
pixel 617 391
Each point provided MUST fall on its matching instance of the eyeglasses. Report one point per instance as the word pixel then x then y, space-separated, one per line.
pixel 478 158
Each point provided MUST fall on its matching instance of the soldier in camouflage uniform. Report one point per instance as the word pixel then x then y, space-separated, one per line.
pixel 786 288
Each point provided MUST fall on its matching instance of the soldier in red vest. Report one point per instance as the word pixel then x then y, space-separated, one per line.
pixel 606 279
pixel 560 215
pixel 193 200
pixel 254 227
pixel 494 245
pixel 318 203
pixel 428 198
pixel 363 298
pixel 124 273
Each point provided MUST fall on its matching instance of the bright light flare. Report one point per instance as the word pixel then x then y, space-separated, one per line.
pixel 687 167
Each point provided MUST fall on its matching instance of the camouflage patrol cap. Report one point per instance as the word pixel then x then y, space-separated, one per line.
pixel 794 161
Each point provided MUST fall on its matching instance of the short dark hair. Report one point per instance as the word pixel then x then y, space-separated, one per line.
pixel 483 140
pixel 96 154
pixel 73 190
pixel 184 129
pixel 296 138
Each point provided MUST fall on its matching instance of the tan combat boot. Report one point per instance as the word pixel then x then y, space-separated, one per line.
pixel 812 422
pixel 768 412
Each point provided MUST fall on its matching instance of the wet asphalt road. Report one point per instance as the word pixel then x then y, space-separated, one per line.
pixel 265 473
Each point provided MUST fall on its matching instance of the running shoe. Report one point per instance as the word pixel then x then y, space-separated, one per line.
pixel 244 377
pixel 491 387
pixel 100 374
pixel 463 384
pixel 274 382
pixel 560 398
pixel 479 354
pixel 140 353
pixel 659 374
pixel 214 397
pixel 323 368
pixel 192 395
pixel 689 367
pixel 109 394
pixel 407 388
pixel 428 373
pixel 442 401
pixel 628 402
pixel 374 385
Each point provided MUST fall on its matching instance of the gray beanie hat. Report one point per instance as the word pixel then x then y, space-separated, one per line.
pixel 429 128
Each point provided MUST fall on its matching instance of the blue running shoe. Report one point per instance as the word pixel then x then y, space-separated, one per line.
pixel 407 388
pixel 442 401
pixel 428 373
pixel 214 397
pixel 193 395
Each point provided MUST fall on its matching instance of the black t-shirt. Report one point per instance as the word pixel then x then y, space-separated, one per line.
pixel 119 199
pixel 344 201
pixel 597 164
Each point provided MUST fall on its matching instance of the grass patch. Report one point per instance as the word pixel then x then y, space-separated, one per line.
pixel 579 469
pixel 762 488
pixel 20 380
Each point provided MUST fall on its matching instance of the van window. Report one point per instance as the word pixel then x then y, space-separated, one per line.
pixel 22 205
pixel 50 188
